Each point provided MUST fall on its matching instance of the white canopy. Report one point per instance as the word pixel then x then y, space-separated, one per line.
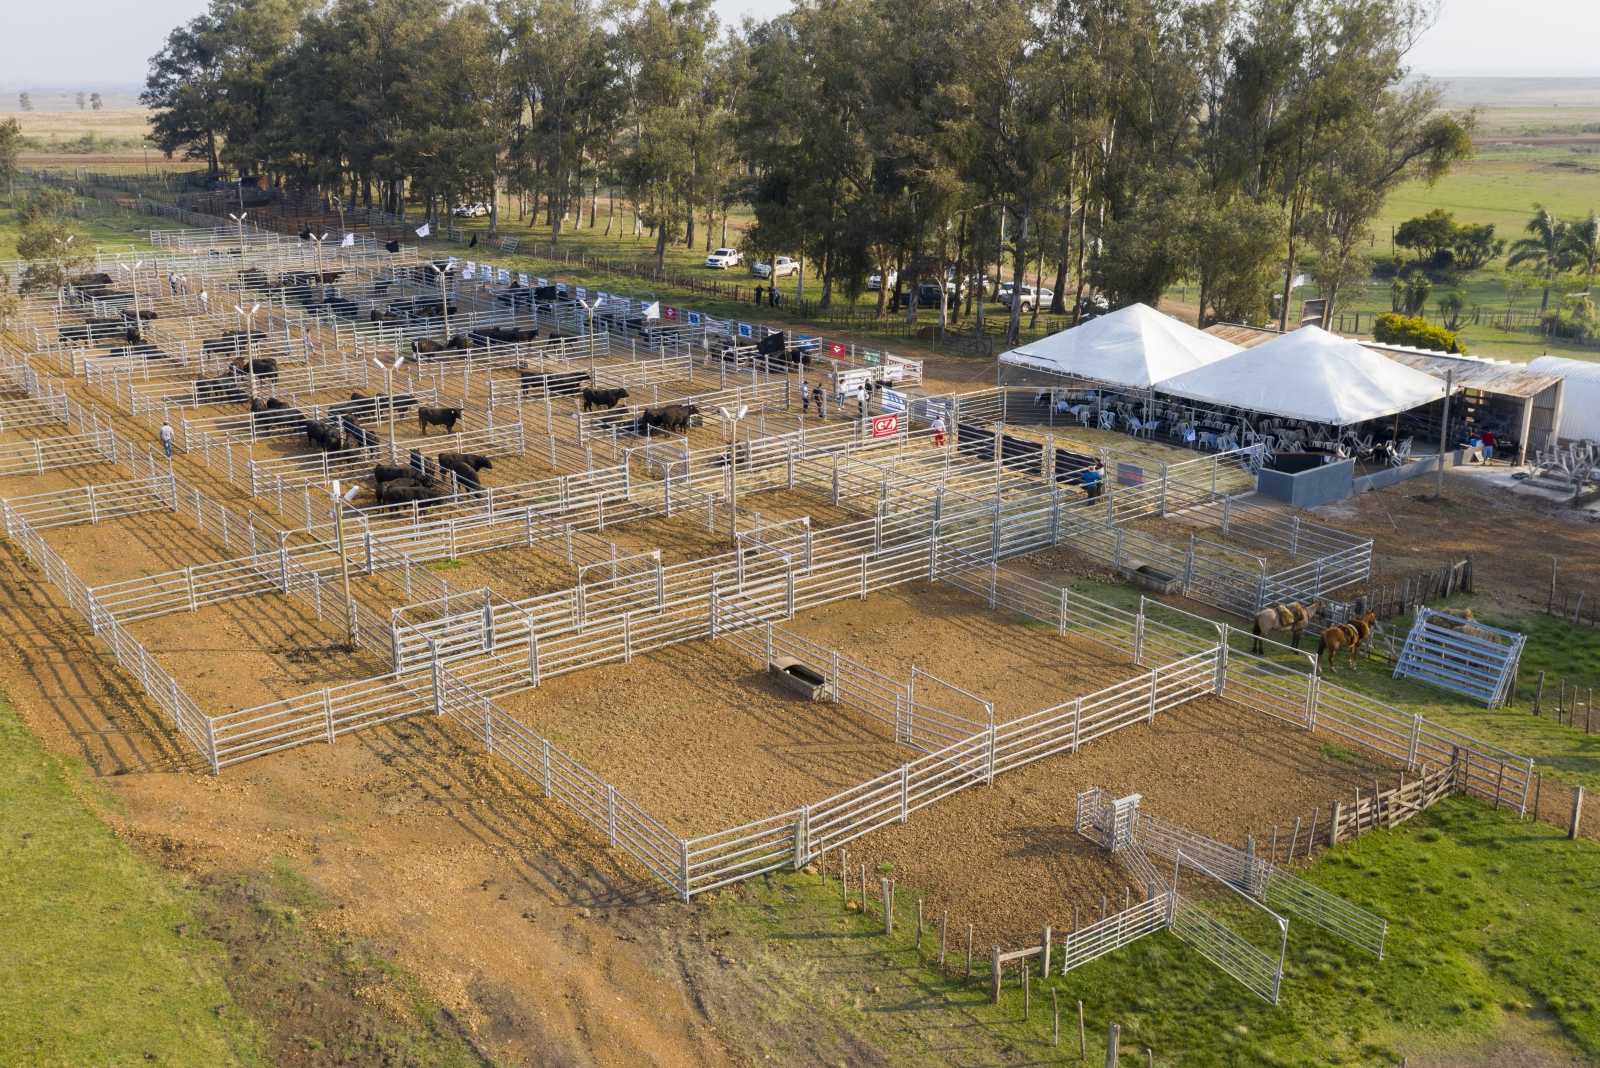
pixel 1135 346
pixel 1310 374
pixel 1580 407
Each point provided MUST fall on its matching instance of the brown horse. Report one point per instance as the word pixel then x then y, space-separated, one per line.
pixel 1349 636
pixel 1291 616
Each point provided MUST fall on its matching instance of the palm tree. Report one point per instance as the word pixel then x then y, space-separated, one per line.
pixel 1548 249
pixel 1583 242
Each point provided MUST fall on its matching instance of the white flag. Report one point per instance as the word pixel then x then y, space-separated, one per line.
pixel 522 279
pixel 424 230
pixel 348 242
pixel 652 310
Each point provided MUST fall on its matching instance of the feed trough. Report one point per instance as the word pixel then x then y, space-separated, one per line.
pixel 806 681
pixel 1153 579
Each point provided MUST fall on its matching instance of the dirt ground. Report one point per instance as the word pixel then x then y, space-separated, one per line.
pixel 701 739
pixel 1511 538
pixel 1006 858
pixel 244 653
pixel 1019 665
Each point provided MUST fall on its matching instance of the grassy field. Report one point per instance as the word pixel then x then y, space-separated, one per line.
pixel 104 958
pixel 117 230
pixel 1489 944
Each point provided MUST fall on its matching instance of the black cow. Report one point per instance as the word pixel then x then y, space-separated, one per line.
pixel 675 417
pixel 475 461
pixel 261 366
pixel 603 398
pixel 382 473
pixel 391 246
pixel 324 435
pixel 552 383
pixel 406 491
pixel 90 282
pixel 466 476
pixel 223 389
pixel 445 417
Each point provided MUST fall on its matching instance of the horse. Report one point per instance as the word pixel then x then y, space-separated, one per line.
pixel 1291 616
pixel 1349 636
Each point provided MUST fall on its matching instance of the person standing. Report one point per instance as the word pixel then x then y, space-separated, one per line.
pixel 938 430
pixel 1488 445
pixel 861 402
pixel 805 395
pixel 166 438
pixel 1094 479
pixel 760 291
pixel 816 397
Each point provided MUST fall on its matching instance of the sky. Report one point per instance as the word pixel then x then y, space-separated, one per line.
pixel 108 41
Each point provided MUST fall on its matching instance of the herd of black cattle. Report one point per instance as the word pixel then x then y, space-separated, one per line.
pixel 422 480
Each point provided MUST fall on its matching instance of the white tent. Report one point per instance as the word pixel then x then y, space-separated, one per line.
pixel 1580 408
pixel 1135 346
pixel 1309 374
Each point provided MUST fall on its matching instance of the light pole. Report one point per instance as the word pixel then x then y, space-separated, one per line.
pixel 444 296
pixel 338 204
pixel 732 419
pixel 340 500
pixel 590 309
pixel 134 274
pixel 249 318
pixel 388 370
pixel 239 222
pixel 318 242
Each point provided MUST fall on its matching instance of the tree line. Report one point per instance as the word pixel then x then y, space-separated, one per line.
pixel 1112 146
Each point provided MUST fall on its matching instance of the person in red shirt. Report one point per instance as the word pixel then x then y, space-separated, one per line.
pixel 1488 445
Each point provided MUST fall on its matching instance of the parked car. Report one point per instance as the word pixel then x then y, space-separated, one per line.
pixel 928 293
pixel 471 211
pixel 1092 305
pixel 1027 297
pixel 880 279
pixel 723 258
pixel 780 267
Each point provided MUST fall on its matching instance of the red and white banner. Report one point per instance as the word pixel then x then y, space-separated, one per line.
pixel 836 350
pixel 885 426
pixel 670 313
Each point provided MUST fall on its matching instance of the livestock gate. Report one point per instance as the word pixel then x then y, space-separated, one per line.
pixel 1461 655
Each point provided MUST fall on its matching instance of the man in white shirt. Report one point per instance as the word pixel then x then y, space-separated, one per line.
pixel 166 438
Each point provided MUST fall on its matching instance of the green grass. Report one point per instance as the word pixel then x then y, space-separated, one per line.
pixel 1563 753
pixel 101 953
pixel 1490 936
pixel 1500 185
pixel 116 230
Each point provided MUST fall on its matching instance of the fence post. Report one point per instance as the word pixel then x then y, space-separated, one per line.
pixel 905 792
pixel 1138 635
pixel 989 772
pixel 1077 721
pixel 1155 682
pixel 211 746
pixel 994 976
pixel 1333 824
pixel 802 834
pixel 1044 970
pixel 546 766
pixel 283 560
pixel 1577 812
pixel 683 867
pixel 1411 751
pixel 438 682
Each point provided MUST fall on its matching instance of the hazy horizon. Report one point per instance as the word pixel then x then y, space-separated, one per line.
pixel 101 44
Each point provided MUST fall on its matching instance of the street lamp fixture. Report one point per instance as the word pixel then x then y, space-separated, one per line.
pixel 388 370
pixel 732 418
pixel 444 296
pixel 341 499
pixel 133 272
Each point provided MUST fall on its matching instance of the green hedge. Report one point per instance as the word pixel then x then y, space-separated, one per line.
pixel 1413 330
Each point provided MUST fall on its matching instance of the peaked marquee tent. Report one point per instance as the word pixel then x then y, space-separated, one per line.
pixel 1136 347
pixel 1309 374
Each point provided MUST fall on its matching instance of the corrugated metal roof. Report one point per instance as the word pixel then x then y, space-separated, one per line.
pixel 1500 377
